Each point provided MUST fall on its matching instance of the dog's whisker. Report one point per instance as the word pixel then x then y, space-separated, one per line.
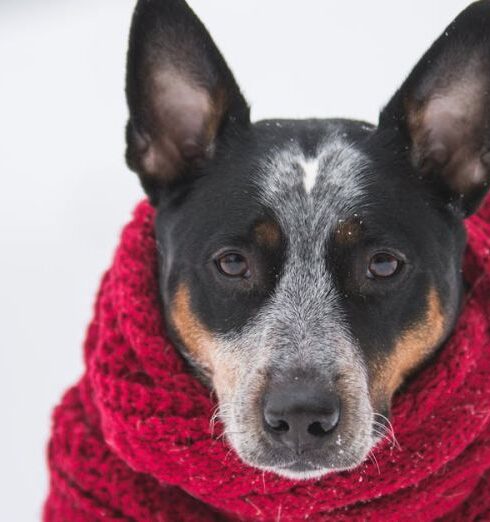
pixel 374 460
pixel 213 419
pixel 382 431
pixel 389 426
pixel 225 434
pixel 385 435
pixel 379 433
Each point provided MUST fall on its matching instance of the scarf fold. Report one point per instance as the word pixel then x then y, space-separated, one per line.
pixel 132 440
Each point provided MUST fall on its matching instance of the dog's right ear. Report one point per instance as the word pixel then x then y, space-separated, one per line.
pixel 182 96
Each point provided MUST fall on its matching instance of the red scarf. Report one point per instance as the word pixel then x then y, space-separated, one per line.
pixel 131 441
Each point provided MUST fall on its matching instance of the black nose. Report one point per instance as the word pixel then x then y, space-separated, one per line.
pixel 300 414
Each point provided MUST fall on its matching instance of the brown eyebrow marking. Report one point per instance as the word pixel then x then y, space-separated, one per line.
pixel 268 234
pixel 200 344
pixel 348 230
pixel 411 349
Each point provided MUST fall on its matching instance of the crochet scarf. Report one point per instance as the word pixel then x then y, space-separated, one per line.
pixel 132 440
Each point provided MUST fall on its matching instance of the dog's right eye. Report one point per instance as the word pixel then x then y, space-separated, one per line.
pixel 383 265
pixel 233 265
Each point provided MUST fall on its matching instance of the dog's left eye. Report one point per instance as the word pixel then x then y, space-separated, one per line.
pixel 383 265
pixel 233 265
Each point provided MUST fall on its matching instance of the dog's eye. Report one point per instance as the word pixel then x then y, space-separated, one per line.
pixel 233 265
pixel 383 265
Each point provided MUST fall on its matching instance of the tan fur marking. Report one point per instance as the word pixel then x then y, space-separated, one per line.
pixel 225 378
pixel 410 351
pixel 201 345
pixel 197 340
pixel 348 231
pixel 268 234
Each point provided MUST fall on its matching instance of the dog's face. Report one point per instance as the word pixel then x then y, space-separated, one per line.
pixel 306 267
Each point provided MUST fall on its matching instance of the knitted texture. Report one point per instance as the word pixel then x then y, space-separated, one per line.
pixel 132 440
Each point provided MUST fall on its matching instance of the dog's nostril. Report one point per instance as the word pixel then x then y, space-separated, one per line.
pixel 277 425
pixel 317 430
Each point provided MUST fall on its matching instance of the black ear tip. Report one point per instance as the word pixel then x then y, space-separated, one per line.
pixel 477 13
pixel 162 7
pixel 479 6
pixel 160 3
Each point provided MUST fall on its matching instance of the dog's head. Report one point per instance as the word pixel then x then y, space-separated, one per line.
pixel 307 267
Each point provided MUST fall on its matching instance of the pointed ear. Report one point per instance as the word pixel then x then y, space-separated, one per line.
pixel 182 97
pixel 442 111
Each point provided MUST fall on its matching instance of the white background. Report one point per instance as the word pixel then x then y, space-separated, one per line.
pixel 65 191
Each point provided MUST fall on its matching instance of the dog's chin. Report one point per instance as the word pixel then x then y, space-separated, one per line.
pixel 302 469
pixel 298 471
pixel 307 471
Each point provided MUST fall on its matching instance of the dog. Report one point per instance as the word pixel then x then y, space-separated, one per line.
pixel 308 267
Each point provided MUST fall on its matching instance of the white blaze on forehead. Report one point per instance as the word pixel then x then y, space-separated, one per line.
pixel 311 168
pixel 332 176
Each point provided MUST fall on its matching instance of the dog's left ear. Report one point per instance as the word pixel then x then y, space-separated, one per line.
pixel 442 111
pixel 182 96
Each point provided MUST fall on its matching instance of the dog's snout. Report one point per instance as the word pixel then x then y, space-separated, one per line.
pixel 300 414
